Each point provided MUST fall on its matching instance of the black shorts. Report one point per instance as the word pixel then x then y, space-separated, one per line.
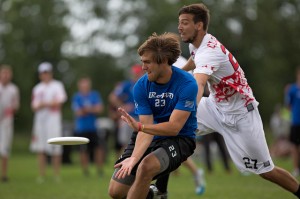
pixel 95 141
pixel 178 149
pixel 295 134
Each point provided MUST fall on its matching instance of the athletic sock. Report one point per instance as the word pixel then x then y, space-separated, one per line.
pixel 162 183
pixel 297 193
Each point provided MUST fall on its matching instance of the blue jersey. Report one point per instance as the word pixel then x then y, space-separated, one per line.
pixel 294 102
pixel 124 92
pixel 86 123
pixel 160 100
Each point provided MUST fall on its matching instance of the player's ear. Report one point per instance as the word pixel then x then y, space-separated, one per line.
pixel 199 25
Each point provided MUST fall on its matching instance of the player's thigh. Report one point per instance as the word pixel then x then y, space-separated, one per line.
pixel 176 150
pixel 207 118
pixel 247 144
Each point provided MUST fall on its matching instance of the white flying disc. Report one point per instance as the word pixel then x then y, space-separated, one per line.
pixel 68 140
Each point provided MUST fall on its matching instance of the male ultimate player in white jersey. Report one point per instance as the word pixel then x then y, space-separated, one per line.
pixel 231 108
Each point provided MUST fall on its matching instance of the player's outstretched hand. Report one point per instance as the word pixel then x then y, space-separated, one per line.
pixel 128 119
pixel 125 167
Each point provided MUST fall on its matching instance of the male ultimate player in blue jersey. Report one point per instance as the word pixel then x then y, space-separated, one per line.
pixel 165 100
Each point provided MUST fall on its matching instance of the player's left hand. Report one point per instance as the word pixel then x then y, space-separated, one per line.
pixel 126 167
pixel 128 119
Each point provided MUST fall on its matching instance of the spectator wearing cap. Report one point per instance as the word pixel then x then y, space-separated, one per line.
pixel 122 96
pixel 48 97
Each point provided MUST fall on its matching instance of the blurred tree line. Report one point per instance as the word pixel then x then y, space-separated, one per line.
pixel 100 38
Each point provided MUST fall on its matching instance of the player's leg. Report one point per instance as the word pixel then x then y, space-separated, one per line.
pixel 153 164
pixel 162 184
pixel 295 142
pixel 118 188
pixel 248 148
pixel 283 179
pixel 198 175
pixel 6 135
pixel 55 151
pixel 99 153
pixel 159 189
pixel 42 160
pixel 84 151
pixel 206 140
pixel 84 159
pixel 54 129
pixel 56 164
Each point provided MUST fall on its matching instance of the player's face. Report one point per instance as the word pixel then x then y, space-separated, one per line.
pixel 45 76
pixel 5 76
pixel 151 67
pixel 84 85
pixel 187 29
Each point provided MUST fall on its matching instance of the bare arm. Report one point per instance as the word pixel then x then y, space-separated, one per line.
pixel 143 140
pixel 201 80
pixel 170 128
pixel 142 143
pixel 190 65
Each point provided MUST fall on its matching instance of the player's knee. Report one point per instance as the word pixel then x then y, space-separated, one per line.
pixel 148 168
pixel 115 192
pixel 268 175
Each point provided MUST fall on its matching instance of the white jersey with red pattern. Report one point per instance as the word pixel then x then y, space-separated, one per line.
pixel 227 83
pixel 226 110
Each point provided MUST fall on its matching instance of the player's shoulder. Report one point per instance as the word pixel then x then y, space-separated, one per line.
pixel 182 73
pixel 95 93
pixel 56 82
pixel 210 44
pixel 294 87
pixel 142 80
pixel 183 78
pixel 38 86
pixel 13 87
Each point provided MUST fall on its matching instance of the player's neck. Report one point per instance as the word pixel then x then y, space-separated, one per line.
pixel 199 39
pixel 165 76
pixel 4 83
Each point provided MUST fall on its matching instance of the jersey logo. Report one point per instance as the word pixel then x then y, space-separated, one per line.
pixel 189 104
pixel 266 164
pixel 162 96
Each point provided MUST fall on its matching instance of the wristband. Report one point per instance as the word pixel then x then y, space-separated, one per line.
pixel 141 126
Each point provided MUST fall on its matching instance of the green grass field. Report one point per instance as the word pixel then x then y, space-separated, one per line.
pixel 23 173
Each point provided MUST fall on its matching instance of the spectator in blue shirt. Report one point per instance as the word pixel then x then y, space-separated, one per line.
pixel 293 101
pixel 87 104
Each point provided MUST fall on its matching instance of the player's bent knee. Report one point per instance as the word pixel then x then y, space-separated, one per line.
pixel 116 191
pixel 149 167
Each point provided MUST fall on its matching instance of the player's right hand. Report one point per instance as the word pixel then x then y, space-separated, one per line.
pixel 128 119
